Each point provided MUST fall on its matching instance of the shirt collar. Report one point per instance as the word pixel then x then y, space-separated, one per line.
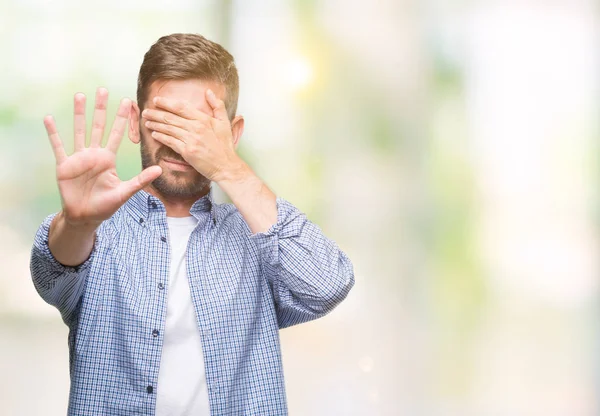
pixel 142 204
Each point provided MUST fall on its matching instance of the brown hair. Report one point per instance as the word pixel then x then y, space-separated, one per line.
pixel 189 56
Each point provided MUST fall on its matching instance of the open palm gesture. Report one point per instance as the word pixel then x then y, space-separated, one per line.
pixel 87 180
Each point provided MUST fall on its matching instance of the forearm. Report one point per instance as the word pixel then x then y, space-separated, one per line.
pixel 70 245
pixel 253 199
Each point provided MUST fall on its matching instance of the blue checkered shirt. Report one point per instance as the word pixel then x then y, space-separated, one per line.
pixel 244 288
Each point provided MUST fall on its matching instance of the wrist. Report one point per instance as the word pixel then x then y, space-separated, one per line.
pixel 238 185
pixel 78 226
pixel 237 173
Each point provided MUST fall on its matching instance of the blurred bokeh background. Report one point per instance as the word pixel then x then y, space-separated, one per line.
pixel 449 147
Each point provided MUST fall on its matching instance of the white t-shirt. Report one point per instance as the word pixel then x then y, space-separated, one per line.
pixel 181 389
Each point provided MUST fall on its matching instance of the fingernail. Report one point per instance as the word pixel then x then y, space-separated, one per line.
pixel 155 100
pixel 144 113
pixel 147 124
pixel 210 92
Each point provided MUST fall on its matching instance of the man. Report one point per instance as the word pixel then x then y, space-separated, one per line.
pixel 173 301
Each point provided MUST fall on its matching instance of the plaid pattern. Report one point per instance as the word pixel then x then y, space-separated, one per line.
pixel 244 288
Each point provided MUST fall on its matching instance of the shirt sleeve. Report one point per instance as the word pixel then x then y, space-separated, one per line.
pixel 309 274
pixel 60 286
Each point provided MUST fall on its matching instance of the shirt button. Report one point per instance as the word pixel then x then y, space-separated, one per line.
pixel 141 220
pixel 154 205
pixel 149 389
pixel 155 333
pixel 163 239
pixel 161 286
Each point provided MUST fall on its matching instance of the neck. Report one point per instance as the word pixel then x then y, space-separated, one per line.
pixel 176 206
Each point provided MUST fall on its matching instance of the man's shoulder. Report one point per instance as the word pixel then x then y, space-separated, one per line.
pixel 226 215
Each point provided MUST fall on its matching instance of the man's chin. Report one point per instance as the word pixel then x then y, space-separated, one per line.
pixel 180 187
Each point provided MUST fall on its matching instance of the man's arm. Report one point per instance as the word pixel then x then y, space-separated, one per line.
pixel 91 192
pixel 309 274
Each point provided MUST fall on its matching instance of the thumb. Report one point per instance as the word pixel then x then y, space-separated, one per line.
pixel 217 105
pixel 130 187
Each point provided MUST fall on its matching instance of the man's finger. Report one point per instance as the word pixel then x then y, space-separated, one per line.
pixel 130 187
pixel 170 141
pixel 167 129
pixel 218 106
pixel 99 117
pixel 57 146
pixel 79 121
pixel 166 118
pixel 181 108
pixel 119 125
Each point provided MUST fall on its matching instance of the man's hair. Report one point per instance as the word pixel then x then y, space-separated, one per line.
pixel 189 56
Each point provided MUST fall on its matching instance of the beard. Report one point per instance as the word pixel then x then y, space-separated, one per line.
pixel 173 184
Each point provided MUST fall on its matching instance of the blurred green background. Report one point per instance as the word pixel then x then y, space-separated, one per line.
pixel 449 147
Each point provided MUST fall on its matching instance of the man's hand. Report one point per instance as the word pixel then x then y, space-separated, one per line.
pixel 88 183
pixel 205 142
pixel 89 187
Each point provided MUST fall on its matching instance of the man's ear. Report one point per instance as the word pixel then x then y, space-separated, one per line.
pixel 237 128
pixel 134 123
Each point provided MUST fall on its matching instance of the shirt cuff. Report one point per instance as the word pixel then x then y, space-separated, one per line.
pixel 289 225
